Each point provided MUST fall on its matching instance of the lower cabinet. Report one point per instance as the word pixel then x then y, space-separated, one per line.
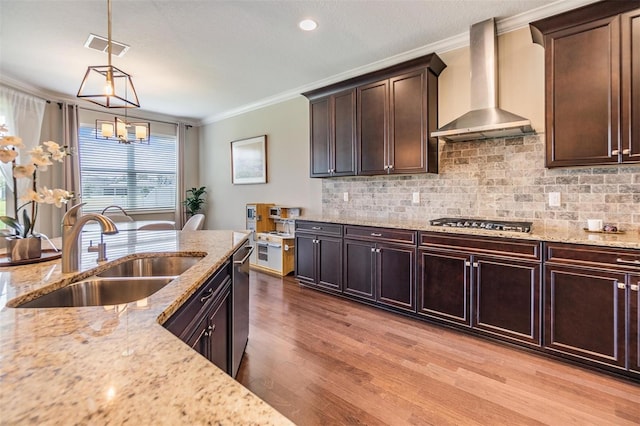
pixel 318 261
pixel 634 323
pixel 495 295
pixel 203 321
pixel 591 304
pixel 379 265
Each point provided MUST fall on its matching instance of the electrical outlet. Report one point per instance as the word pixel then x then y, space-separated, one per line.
pixel 554 199
pixel 345 196
pixel 416 198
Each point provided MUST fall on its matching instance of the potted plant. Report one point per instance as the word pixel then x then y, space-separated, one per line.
pixel 194 200
pixel 24 242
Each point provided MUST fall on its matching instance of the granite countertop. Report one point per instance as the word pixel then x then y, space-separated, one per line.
pixel 116 364
pixel 629 239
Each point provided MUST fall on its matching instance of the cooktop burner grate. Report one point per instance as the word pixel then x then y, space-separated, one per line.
pixel 493 225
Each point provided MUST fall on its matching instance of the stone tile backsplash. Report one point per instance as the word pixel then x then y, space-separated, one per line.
pixel 495 179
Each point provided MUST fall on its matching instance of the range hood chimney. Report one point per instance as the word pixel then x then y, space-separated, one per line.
pixel 485 120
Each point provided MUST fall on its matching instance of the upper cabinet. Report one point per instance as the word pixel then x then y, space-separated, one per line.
pixel 592 74
pixel 378 123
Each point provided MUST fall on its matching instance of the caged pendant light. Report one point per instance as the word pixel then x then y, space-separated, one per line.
pixel 106 85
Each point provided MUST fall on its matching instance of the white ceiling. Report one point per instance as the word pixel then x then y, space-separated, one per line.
pixel 206 60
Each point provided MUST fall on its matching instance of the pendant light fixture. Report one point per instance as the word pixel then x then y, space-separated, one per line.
pixel 106 85
pixel 123 131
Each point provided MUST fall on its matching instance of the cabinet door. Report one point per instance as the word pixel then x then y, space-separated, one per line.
pixel 631 86
pixel 395 275
pixel 372 136
pixel 583 94
pixel 218 333
pixel 344 134
pixel 359 259
pixel 408 124
pixel 634 323
pixel 444 286
pixel 507 298
pixel 329 263
pixel 585 314
pixel 320 121
pixel 305 258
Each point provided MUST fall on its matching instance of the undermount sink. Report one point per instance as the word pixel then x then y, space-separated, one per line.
pixel 99 291
pixel 126 282
pixel 166 266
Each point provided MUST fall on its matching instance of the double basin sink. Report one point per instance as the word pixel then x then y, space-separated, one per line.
pixel 125 282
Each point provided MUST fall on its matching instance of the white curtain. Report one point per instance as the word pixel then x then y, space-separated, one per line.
pixel 23 115
pixel 180 215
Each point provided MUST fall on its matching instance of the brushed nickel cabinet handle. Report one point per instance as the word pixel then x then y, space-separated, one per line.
pixel 626 151
pixel 634 287
pixel 373 250
pixel 316 228
pixel 467 263
pixel 208 295
pixel 375 234
pixel 621 286
pixel 615 152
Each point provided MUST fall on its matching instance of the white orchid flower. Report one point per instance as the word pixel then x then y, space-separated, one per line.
pixel 40 160
pixel 31 195
pixel 52 146
pixel 11 141
pixel 8 155
pixel 23 171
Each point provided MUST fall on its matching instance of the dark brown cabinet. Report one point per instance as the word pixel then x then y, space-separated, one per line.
pixel 591 304
pixel 378 123
pixel 379 265
pixel 393 118
pixel 333 127
pixel 490 285
pixel 589 84
pixel 634 323
pixel 318 257
pixel 630 29
pixel 203 321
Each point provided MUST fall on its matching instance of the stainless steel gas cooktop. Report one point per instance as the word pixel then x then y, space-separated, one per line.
pixel 494 225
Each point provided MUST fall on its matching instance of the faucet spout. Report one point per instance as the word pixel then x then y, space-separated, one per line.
pixel 72 227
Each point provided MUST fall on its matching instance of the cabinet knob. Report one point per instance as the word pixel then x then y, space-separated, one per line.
pixel 467 263
pixel 626 151
pixel 621 286
pixel 475 264
pixel 210 330
pixel 634 287
pixel 615 152
pixel 373 250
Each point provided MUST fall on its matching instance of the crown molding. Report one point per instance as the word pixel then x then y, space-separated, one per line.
pixel 455 42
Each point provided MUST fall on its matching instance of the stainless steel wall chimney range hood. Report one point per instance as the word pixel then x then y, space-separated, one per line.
pixel 485 120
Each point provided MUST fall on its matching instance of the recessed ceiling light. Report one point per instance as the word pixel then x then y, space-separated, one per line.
pixel 308 25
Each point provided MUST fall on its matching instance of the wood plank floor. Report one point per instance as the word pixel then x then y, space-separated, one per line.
pixel 323 360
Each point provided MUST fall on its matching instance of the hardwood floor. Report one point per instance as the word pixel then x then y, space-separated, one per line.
pixel 323 360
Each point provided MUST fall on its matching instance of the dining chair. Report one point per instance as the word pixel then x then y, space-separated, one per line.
pixel 194 223
pixel 156 226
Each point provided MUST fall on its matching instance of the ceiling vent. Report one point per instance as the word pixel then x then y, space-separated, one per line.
pixel 101 44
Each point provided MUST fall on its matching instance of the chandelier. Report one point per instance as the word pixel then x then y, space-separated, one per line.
pixel 123 131
pixel 106 85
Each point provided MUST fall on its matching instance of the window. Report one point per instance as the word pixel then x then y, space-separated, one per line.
pixel 137 177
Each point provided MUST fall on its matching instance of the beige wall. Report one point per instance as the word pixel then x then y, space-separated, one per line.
pixel 287 128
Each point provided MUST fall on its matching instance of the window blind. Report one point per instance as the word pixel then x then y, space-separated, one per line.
pixel 137 177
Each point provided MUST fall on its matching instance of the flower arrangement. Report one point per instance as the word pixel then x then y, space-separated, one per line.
pixel 42 156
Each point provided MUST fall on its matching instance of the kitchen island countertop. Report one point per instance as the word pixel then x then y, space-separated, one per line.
pixel 630 239
pixel 116 364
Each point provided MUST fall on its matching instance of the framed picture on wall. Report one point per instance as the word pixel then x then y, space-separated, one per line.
pixel 249 160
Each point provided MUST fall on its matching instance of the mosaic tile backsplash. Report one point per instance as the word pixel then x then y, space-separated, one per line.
pixel 495 179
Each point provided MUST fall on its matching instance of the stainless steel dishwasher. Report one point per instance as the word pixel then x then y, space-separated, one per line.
pixel 240 305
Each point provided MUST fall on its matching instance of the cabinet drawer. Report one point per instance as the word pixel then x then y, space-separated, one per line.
pixel 188 315
pixel 319 228
pixel 597 257
pixel 523 249
pixel 381 234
